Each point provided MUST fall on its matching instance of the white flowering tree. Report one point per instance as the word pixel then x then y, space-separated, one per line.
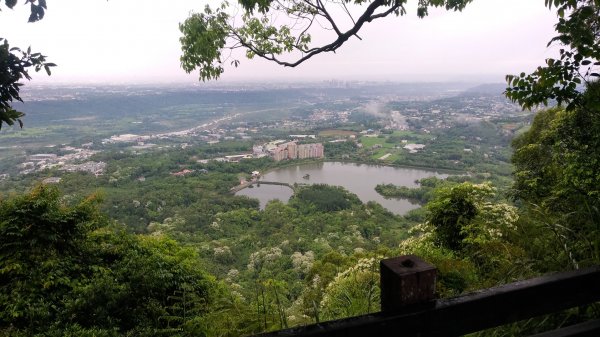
pixel 469 236
pixel 466 214
pixel 354 291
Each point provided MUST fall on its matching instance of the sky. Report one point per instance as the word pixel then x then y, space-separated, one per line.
pixel 133 41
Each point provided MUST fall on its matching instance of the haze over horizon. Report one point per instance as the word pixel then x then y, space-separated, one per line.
pixel 122 42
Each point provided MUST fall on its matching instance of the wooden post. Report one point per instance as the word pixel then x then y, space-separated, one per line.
pixel 406 280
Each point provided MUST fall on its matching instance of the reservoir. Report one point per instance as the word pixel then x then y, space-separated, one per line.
pixel 359 179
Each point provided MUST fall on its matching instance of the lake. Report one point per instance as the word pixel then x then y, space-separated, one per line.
pixel 359 179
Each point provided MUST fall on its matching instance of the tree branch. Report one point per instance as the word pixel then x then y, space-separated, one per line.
pixel 367 16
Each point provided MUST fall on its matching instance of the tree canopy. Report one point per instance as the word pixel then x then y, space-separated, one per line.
pixel 280 30
pixel 557 165
pixel 560 79
pixel 15 65
pixel 65 270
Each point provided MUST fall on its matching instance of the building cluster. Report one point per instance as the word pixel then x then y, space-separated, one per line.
pixel 93 167
pixel 293 150
pixel 321 115
pixel 41 161
pixel 414 148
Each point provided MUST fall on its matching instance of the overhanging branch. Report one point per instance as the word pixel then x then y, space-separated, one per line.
pixel 367 16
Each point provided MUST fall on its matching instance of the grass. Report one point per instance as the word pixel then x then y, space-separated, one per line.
pixel 370 141
pixel 395 154
pixel 391 158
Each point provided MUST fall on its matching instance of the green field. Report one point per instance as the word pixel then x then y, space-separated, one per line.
pixel 370 141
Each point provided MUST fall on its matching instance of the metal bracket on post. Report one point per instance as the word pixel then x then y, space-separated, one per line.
pixel 406 280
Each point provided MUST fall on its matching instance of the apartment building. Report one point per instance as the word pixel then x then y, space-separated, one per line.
pixel 291 150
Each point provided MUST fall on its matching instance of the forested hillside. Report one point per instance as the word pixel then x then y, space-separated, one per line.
pixel 113 234
pixel 209 262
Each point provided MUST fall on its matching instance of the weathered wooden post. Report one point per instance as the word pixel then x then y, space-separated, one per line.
pixel 406 280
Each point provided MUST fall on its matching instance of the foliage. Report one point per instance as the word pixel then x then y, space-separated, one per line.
pixel 456 274
pixel 464 214
pixel 65 270
pixel 556 176
pixel 354 291
pixel 14 64
pixel 560 79
pixel 339 149
pixel 468 220
pixel 204 35
pixel 37 8
pixel 422 194
pixel 209 37
pixel 471 238
pixel 277 263
pixel 452 210
pixel 324 198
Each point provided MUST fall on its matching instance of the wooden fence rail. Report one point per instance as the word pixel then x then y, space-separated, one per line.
pixel 408 307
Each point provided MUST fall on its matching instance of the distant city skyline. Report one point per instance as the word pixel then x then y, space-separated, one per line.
pixel 119 41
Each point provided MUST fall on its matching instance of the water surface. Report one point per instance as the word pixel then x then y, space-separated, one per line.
pixel 359 179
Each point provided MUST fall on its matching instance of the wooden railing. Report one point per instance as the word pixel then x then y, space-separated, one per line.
pixel 409 307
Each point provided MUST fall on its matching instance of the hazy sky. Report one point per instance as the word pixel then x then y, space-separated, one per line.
pixel 138 41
